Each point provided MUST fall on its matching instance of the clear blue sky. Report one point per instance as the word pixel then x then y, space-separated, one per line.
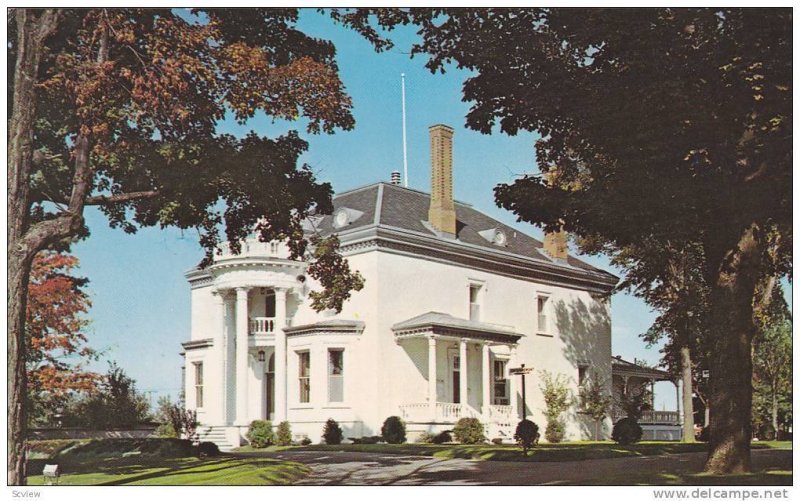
pixel 140 312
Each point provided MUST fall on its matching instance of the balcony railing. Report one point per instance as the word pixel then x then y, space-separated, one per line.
pixel 262 325
pixel 654 417
pixel 501 412
pixel 252 247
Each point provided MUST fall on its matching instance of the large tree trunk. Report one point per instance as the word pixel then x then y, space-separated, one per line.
pixel 731 361
pixel 775 410
pixel 688 406
pixel 32 31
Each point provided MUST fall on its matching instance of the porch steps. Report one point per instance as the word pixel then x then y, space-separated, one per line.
pixel 216 434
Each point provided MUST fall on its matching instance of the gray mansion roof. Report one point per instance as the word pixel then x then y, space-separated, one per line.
pixel 394 218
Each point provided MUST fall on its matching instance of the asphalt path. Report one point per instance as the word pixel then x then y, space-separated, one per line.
pixel 368 468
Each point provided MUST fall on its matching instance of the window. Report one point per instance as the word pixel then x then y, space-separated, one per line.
pixel 198 384
pixel 304 376
pixel 541 310
pixel 474 302
pixel 269 304
pixel 336 375
pixel 273 247
pixel 583 371
pixel 500 382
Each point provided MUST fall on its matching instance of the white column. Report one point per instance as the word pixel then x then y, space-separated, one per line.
pixel 241 355
pixel 219 308
pixel 462 373
pixel 432 375
pixel 487 380
pixel 280 355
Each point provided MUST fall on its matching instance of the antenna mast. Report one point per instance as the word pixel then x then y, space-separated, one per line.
pixel 405 152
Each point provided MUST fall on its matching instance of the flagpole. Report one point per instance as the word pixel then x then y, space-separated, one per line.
pixel 405 152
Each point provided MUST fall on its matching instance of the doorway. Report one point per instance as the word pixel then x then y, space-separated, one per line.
pixel 269 389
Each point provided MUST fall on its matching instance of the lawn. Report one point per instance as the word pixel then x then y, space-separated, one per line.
pixel 220 470
pixel 768 477
pixel 568 451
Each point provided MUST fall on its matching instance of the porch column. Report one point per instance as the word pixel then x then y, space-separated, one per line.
pixel 242 328
pixel 677 384
pixel 222 349
pixel 432 375
pixel 487 379
pixel 280 355
pixel 462 373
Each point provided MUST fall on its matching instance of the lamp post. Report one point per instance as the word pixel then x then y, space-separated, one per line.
pixel 522 371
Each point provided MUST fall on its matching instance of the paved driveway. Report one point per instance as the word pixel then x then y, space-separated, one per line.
pixel 362 468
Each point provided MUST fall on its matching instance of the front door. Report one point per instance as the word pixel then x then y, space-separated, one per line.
pixel 269 389
pixel 455 378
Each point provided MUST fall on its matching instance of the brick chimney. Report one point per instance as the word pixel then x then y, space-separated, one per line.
pixel 442 213
pixel 555 242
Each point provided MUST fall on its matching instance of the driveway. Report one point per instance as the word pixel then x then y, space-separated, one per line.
pixel 366 468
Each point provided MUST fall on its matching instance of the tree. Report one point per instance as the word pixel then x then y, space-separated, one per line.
pixel 772 363
pixel 664 127
pixel 58 354
pixel 556 396
pixel 118 108
pixel 595 402
pixel 115 404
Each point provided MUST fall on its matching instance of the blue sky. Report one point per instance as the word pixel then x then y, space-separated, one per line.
pixel 140 312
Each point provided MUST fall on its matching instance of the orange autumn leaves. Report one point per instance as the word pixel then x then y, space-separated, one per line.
pixel 55 324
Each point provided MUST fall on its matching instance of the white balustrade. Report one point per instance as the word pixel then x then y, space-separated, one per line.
pixel 262 325
pixel 501 412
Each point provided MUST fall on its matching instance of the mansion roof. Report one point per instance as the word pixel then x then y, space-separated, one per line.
pixel 396 214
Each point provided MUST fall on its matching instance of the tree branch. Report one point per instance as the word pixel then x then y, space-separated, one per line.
pixel 120 198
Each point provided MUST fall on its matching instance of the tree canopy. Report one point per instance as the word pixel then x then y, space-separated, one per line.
pixel 661 128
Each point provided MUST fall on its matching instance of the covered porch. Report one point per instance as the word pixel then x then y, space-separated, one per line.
pixel 466 370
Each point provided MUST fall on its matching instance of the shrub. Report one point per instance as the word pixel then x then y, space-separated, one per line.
pixel 260 434
pixel 166 430
pixel 767 432
pixel 626 431
pixel 305 441
pixel 554 432
pixel 469 431
pixel 393 430
pixel 526 435
pixel 284 433
pixel 367 440
pixel 443 437
pixel 207 449
pixel 425 438
pixel 332 433
pixel 497 441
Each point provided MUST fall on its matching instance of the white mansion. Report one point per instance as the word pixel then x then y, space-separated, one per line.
pixel 452 300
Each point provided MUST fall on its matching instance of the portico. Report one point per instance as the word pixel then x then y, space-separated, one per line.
pixel 475 380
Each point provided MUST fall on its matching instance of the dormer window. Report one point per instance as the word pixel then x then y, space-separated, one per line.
pixel 345 216
pixel 495 236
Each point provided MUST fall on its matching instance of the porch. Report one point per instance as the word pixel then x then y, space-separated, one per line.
pixel 466 372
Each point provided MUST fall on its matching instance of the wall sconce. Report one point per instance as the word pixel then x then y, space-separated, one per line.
pixel 261 356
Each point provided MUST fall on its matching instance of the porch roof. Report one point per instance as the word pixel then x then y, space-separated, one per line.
pixel 620 367
pixel 442 324
pixel 333 326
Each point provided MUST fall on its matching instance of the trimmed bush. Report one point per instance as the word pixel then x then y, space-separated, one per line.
pixel 554 433
pixel 526 435
pixel 393 430
pixel 425 438
pixel 469 431
pixel 497 441
pixel 332 433
pixel 207 449
pixel 367 440
pixel 260 434
pixel 166 430
pixel 626 431
pixel 305 441
pixel 284 434
pixel 443 437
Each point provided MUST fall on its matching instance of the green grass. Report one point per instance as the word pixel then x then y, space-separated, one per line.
pixel 221 470
pixel 768 477
pixel 568 451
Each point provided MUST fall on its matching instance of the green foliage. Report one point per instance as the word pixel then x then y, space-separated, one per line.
pixel 207 449
pixel 469 431
pixel 595 402
pixel 305 441
pixel 284 435
pixel 368 440
pixel 331 432
pixel 557 397
pixel 333 273
pixel 526 435
pixel 626 431
pixel 115 404
pixel 443 437
pixel 166 430
pixel 393 430
pixel 260 434
pixel 772 365
pixel 425 438
pixel 175 419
